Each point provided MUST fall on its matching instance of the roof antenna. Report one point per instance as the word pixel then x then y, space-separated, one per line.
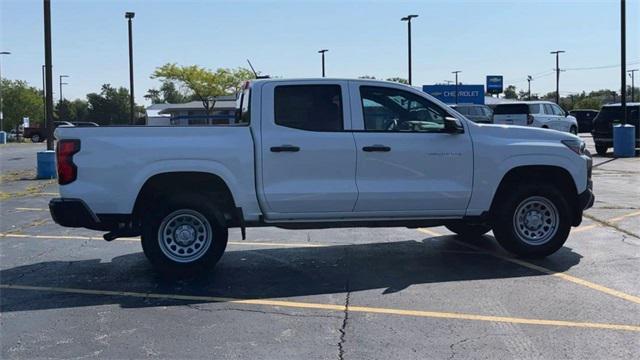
pixel 255 73
pixel 252 69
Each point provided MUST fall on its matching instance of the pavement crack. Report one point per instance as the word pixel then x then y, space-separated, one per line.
pixel 453 345
pixel 198 308
pixel 611 225
pixel 345 318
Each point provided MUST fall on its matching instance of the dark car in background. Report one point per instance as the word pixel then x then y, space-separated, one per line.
pixel 585 118
pixel 608 116
pixel 39 134
pixel 477 113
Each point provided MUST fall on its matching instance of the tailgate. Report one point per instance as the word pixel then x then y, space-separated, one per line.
pixel 510 119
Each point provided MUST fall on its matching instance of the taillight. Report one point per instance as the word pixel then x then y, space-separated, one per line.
pixel 67 170
pixel 529 119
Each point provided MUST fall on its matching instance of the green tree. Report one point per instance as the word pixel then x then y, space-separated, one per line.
pixel 204 84
pixel 76 110
pixel 168 93
pixel 510 92
pixel 110 106
pixel 399 80
pixel 21 100
pixel 588 103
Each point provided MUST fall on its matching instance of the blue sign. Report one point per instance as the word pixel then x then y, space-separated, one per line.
pixel 494 84
pixel 467 94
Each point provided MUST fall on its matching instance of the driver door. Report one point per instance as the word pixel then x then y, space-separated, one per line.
pixel 406 162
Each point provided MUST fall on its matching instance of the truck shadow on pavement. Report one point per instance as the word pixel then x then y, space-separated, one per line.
pixel 269 273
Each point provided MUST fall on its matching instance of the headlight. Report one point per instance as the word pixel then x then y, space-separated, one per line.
pixel 577 146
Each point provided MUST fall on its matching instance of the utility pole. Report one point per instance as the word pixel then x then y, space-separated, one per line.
pixel 62 83
pixel 623 60
pixel 557 53
pixel 529 78
pixel 1 107
pixel 129 16
pixel 322 52
pixel 48 68
pixel 44 95
pixel 456 72
pixel 633 86
pixel 408 20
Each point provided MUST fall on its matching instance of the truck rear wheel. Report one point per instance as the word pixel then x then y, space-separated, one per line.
pixel 35 138
pixel 468 230
pixel 183 235
pixel 532 220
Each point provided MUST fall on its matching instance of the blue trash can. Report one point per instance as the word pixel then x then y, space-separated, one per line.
pixel 624 140
pixel 46 164
pixel 3 137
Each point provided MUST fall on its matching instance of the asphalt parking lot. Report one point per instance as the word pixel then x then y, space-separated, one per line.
pixel 390 293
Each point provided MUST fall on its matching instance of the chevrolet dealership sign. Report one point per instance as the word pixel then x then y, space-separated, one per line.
pixel 467 94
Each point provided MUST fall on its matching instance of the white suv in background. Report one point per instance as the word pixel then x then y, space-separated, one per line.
pixel 542 114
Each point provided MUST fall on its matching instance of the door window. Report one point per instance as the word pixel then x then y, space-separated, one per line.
pixel 548 109
pixel 557 110
pixel 394 110
pixel 309 107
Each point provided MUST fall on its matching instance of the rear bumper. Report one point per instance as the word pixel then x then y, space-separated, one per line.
pixel 75 213
pixel 72 213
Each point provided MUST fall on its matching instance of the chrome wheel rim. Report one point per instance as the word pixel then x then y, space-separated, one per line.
pixel 536 220
pixel 185 236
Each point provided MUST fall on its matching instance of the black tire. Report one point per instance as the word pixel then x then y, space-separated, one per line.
pixel 506 224
pixel 35 138
pixel 601 149
pixel 468 230
pixel 201 214
pixel 573 130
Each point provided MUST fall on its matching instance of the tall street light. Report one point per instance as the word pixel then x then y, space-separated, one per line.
pixel 456 72
pixel 322 52
pixel 408 20
pixel 62 83
pixel 129 16
pixel 49 76
pixel 557 53
pixel 1 108
pixel 529 78
pixel 633 86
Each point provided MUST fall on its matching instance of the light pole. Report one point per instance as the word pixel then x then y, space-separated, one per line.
pixel 557 53
pixel 633 86
pixel 1 108
pixel 62 83
pixel 408 20
pixel 456 72
pixel 48 69
pixel 529 78
pixel 322 52
pixel 623 60
pixel 129 16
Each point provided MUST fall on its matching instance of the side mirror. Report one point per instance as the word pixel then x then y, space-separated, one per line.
pixel 452 125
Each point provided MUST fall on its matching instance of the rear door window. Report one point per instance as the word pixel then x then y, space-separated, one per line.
pixel 534 108
pixel 548 109
pixel 309 107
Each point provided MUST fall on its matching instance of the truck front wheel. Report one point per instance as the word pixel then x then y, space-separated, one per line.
pixel 532 220
pixel 183 235
pixel 468 230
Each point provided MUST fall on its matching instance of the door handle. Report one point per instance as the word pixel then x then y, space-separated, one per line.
pixel 285 148
pixel 372 148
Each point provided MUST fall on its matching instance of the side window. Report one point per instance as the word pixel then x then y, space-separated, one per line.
pixel 557 110
pixel 309 107
pixel 534 108
pixel 548 109
pixel 388 109
pixel 487 111
pixel 245 99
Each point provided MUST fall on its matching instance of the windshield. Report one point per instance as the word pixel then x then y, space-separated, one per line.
pixel 614 113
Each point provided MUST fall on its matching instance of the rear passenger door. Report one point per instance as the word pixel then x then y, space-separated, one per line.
pixel 308 160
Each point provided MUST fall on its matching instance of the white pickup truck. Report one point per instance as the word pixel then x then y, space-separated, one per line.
pixel 321 153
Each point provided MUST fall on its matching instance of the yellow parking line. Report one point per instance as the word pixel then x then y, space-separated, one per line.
pixel 585 228
pixel 334 307
pixel 573 279
pixel 75 237
pixel 619 218
pixel 31 209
